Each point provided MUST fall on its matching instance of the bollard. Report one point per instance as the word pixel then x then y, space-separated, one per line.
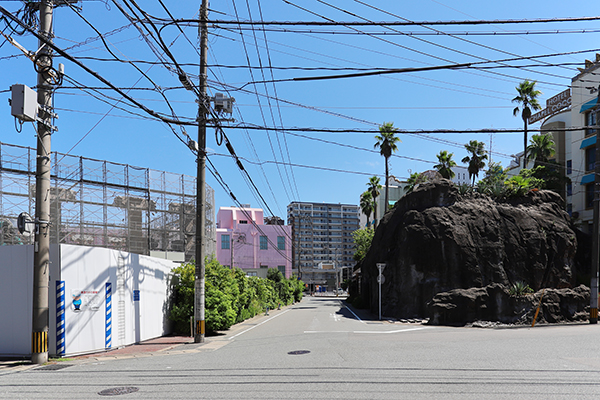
pixel 267 311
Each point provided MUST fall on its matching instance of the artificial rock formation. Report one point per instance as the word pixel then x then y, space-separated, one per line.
pixel 494 303
pixel 435 240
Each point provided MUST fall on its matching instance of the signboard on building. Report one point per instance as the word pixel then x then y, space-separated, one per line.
pixel 553 105
pixel 86 300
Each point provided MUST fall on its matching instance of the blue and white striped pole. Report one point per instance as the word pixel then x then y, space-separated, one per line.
pixel 60 318
pixel 108 326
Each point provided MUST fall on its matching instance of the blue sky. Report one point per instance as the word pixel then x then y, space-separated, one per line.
pixel 328 167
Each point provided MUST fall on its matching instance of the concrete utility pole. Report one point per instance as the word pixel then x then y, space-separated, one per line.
pixel 595 234
pixel 201 181
pixel 41 257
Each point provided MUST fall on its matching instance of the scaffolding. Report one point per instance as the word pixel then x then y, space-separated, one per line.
pixel 105 204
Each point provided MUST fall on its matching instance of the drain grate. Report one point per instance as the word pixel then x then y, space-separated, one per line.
pixel 118 390
pixel 53 367
pixel 298 352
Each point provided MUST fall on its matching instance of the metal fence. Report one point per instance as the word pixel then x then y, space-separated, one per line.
pixel 104 204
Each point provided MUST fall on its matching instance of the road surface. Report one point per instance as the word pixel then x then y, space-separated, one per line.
pixel 319 349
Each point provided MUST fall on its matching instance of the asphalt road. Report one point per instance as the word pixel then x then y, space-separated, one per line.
pixel 342 357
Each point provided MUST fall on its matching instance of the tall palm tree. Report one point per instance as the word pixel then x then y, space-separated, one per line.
pixel 541 149
pixel 527 100
pixel 475 160
pixel 445 164
pixel 366 205
pixel 386 143
pixel 374 187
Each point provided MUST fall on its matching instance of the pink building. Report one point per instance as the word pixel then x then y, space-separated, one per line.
pixel 253 246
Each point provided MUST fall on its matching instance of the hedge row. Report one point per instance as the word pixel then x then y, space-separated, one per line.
pixel 230 296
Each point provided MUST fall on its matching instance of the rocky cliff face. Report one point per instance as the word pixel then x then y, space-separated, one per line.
pixel 434 240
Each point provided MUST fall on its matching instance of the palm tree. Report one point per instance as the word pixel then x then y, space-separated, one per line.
pixel 366 204
pixel 445 164
pixel 541 149
pixel 527 98
pixel 386 142
pixel 475 160
pixel 374 187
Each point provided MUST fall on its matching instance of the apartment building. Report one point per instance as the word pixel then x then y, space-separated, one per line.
pixel 323 246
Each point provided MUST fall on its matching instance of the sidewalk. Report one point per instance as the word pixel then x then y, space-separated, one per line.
pixel 157 346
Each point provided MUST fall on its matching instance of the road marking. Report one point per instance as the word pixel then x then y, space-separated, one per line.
pixel 356 316
pixel 381 332
pixel 397 331
pixel 267 320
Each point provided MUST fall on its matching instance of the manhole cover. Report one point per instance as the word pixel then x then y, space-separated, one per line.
pixel 53 367
pixel 118 390
pixel 298 352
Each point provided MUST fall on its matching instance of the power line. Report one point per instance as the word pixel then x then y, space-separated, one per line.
pixel 218 22
pixel 413 33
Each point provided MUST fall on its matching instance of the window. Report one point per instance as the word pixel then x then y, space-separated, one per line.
pixel 589 195
pixel 590 119
pixel 243 222
pixel 252 273
pixel 569 167
pixel 225 241
pixel 280 242
pixel 263 243
pixel 569 189
pixel 281 269
pixel 590 158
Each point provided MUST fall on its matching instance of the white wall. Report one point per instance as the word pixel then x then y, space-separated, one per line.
pixel 86 269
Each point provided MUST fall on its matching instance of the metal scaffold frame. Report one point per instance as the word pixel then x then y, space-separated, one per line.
pixel 104 204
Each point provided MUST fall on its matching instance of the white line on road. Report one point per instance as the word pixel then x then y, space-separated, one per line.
pixel 356 316
pixel 396 331
pixel 267 320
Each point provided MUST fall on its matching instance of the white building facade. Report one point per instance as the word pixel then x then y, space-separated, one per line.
pixel 573 108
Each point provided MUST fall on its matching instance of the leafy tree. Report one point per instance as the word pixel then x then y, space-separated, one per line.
pixel 445 164
pixel 541 148
pixel 182 289
pixel 362 240
pixel 231 296
pixel 374 187
pixel 527 100
pixel 415 179
pixel 367 204
pixel 548 176
pixel 274 274
pixel 221 296
pixel 476 159
pixel 386 143
pixel 493 183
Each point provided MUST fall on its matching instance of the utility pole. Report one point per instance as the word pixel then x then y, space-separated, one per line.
pixel 595 233
pixel 41 256
pixel 201 181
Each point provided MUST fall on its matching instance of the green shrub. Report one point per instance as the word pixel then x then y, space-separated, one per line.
pixel 519 289
pixel 230 296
